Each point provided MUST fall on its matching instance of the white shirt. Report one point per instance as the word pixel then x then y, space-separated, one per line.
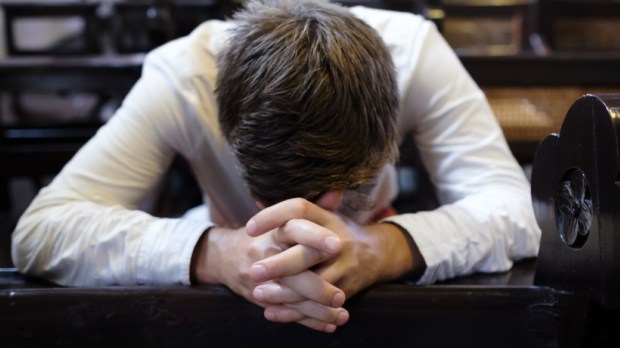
pixel 85 227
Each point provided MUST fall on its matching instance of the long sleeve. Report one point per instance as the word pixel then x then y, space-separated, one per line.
pixel 486 219
pixel 85 227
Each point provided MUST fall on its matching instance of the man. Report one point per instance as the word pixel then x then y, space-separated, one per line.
pixel 291 132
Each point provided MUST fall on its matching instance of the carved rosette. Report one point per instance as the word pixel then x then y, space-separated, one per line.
pixel 573 208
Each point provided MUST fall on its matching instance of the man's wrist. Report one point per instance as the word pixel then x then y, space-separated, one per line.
pixel 203 260
pixel 402 257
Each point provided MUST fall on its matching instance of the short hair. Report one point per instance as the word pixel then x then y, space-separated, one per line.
pixel 307 99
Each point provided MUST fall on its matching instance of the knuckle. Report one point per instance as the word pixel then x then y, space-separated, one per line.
pixel 254 251
pixel 299 206
pixel 290 226
pixel 321 296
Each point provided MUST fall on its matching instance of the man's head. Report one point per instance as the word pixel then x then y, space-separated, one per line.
pixel 307 99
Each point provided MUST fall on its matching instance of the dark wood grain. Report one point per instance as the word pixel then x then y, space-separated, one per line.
pixel 392 315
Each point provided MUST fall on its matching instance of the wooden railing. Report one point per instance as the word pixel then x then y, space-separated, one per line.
pixel 481 311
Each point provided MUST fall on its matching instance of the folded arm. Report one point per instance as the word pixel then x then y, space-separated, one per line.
pixel 85 227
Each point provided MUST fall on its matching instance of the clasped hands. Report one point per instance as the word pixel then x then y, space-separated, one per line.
pixel 300 261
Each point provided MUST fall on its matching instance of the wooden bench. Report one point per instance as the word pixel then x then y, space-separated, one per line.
pixel 483 311
pixel 89 41
pixel 568 297
pixel 141 25
pixel 472 26
pixel 42 148
pixel 526 76
pixel 580 25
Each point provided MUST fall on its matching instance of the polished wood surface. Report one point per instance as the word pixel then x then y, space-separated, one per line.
pixel 485 310
pixel 112 74
pixel 558 69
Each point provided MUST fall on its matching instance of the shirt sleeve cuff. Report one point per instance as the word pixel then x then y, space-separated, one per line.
pixel 431 242
pixel 166 252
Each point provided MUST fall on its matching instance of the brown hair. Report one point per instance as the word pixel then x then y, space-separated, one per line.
pixel 307 99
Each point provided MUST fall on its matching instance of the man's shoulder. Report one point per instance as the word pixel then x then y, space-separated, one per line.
pixel 387 21
pixel 192 55
pixel 212 35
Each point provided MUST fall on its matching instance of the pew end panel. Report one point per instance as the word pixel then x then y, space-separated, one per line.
pixel 575 195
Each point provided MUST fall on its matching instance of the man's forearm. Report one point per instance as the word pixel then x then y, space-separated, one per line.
pixel 401 257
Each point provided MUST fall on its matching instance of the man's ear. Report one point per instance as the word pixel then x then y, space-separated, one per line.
pixel 330 200
pixel 260 205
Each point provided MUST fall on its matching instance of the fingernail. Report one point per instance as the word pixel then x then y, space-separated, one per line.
pixel 332 244
pixel 258 273
pixel 338 300
pixel 259 294
pixel 250 227
pixel 343 317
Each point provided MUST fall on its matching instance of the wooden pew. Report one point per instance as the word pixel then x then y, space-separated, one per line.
pixel 142 25
pixel 42 148
pixel 465 25
pixel 562 75
pixel 558 69
pixel 38 150
pixel 568 297
pixel 528 78
pixel 88 42
pixel 502 310
pixel 580 25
